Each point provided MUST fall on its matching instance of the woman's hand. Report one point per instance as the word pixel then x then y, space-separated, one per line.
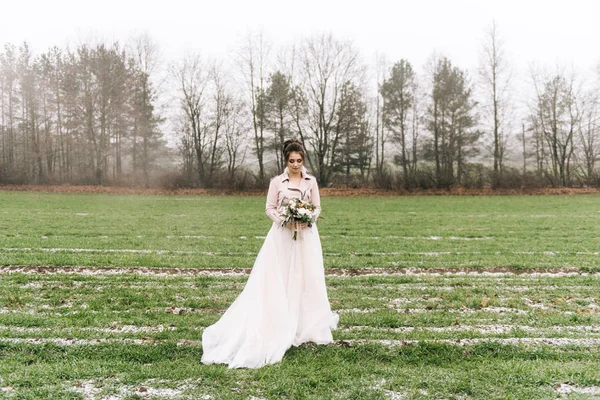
pixel 302 225
pixel 298 225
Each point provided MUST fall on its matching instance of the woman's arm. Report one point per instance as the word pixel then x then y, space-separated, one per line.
pixel 272 198
pixel 316 199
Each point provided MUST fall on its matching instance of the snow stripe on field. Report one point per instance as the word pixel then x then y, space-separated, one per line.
pixel 376 253
pixel 189 237
pixel 134 251
pixel 188 310
pixel 482 329
pixel 465 342
pixel 340 342
pixel 168 310
pixel 466 238
pixel 112 329
pixel 463 311
pixel 343 272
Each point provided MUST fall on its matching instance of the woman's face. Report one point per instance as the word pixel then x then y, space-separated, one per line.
pixel 295 161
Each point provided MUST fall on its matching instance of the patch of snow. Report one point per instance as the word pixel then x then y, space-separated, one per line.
pixel 533 304
pixel 564 388
pixel 144 391
pixel 187 237
pixel 356 310
pixel 87 389
pixel 32 285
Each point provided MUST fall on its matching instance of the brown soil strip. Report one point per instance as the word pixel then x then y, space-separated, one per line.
pixel 46 269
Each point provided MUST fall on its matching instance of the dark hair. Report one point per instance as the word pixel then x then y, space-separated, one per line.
pixel 291 146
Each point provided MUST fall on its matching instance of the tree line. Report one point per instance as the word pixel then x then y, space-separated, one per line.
pixel 85 115
pixel 93 115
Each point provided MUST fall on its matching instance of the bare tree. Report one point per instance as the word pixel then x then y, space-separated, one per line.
pixel 495 76
pixel 50 107
pixel 523 137
pixel 380 132
pixel 557 116
pixel 235 137
pixel 589 134
pixel 8 64
pixel 145 53
pixel 52 65
pixel 398 92
pixel 416 117
pixel 325 66
pixel 192 76
pixel 254 56
pixel 30 117
pixel 220 108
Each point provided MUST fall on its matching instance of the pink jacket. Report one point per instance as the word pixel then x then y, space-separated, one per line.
pixel 280 189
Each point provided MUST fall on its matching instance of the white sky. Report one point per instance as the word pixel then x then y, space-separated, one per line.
pixel 548 32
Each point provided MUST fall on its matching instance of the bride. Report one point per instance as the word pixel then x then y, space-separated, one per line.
pixel 284 302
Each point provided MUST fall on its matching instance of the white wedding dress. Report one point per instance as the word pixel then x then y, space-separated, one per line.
pixel 284 302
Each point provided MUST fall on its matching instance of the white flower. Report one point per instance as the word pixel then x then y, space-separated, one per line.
pixel 303 211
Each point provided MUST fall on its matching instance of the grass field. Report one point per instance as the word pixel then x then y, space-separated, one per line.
pixel 439 297
pixel 218 232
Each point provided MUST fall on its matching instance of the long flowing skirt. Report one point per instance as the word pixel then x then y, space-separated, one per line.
pixel 284 303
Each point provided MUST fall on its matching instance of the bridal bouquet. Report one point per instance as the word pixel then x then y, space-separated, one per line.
pixel 298 211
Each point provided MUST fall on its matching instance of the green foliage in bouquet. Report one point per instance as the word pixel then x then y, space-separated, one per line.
pixel 298 211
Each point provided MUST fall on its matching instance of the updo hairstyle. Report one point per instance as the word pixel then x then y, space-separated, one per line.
pixel 293 146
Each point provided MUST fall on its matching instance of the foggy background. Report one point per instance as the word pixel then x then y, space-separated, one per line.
pixel 384 94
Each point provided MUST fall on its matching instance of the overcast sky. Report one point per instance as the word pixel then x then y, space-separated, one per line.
pixel 547 32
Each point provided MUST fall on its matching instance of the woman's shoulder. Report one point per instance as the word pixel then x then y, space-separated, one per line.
pixel 310 177
pixel 278 178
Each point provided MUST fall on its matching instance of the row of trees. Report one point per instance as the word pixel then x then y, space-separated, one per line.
pixel 90 115
pixel 319 93
pixel 85 115
pixel 438 128
pixel 321 103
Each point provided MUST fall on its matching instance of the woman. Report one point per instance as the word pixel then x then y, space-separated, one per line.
pixel 284 302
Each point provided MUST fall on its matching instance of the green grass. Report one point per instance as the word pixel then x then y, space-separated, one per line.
pixel 217 232
pixel 443 307
pixel 495 336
